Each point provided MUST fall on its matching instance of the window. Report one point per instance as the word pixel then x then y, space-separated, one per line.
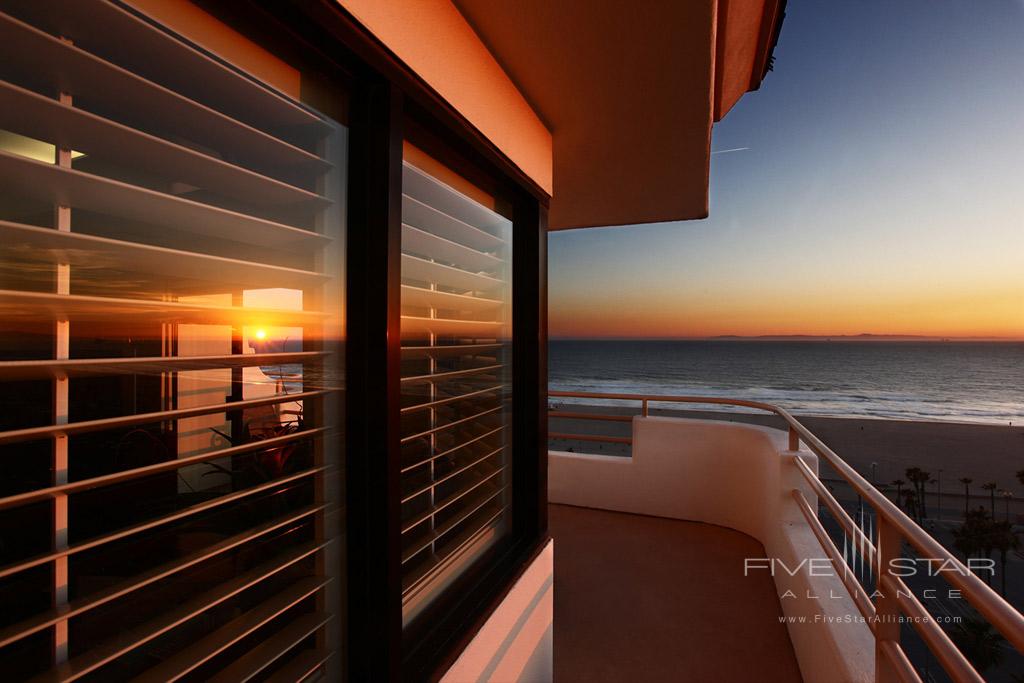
pixel 186 261
pixel 172 242
pixel 456 381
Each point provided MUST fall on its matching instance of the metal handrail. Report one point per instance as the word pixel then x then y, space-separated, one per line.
pixel 591 437
pixel 892 520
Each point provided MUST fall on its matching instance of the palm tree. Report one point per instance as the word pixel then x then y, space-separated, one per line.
pixel 964 541
pixel 898 483
pixel 980 643
pixel 919 478
pixel 977 537
pixel 991 488
pixel 1004 540
pixel 910 503
pixel 967 481
pixel 968 537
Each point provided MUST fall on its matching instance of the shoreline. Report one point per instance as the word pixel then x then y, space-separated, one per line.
pixel 1006 420
pixel 800 415
pixel 982 452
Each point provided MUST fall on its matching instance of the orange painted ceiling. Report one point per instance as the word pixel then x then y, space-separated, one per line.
pixel 629 92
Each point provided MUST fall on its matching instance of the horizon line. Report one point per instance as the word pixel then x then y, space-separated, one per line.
pixel 866 337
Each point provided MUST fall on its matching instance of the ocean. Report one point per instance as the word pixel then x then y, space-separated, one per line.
pixel 947 381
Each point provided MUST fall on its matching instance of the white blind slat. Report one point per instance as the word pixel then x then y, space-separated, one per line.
pixel 427 298
pixel 202 651
pixel 33 115
pixel 427 218
pixel 443 198
pixel 40 305
pixel 171 279
pixel 265 653
pixel 78 190
pixel 84 367
pixel 177 615
pixel 456 313
pixel 143 47
pixel 419 241
pixel 422 270
pixel 196 272
pixel 414 326
pixel 42 56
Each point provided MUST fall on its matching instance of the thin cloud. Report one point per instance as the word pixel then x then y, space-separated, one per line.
pixel 734 149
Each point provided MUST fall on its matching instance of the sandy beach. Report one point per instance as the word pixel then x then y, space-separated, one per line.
pixel 982 452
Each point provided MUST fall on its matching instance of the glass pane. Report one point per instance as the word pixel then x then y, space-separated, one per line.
pixel 171 327
pixel 456 378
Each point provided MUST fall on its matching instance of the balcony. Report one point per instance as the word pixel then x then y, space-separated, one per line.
pixel 670 601
pixel 703 549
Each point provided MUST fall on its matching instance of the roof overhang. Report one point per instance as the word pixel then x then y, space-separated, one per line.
pixel 606 105
pixel 746 35
pixel 629 92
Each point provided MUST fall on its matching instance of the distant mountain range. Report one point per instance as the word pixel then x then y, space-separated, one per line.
pixel 864 337
pixel 854 337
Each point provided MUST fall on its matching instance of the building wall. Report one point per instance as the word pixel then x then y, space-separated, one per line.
pixel 464 73
pixel 516 642
pixel 743 28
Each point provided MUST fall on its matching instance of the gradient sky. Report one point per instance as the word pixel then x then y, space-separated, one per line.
pixel 881 191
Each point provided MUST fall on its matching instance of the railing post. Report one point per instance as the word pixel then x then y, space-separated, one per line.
pixel 887 609
pixel 794 439
pixel 643 408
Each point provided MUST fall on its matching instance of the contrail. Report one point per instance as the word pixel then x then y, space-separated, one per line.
pixel 726 151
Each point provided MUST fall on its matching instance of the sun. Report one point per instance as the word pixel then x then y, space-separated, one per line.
pixel 261 334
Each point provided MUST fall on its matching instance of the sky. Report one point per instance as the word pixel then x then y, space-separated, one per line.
pixel 878 188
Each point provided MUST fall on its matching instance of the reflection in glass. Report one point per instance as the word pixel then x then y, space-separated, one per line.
pixel 171 321
pixel 456 378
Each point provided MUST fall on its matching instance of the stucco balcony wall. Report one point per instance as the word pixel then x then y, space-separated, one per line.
pixel 740 477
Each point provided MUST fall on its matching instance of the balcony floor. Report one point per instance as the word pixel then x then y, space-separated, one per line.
pixel 651 599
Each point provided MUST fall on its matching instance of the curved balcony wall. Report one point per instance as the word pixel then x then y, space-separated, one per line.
pixel 740 477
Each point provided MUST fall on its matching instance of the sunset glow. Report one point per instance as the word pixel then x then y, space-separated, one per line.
pixel 781 307
pixel 875 191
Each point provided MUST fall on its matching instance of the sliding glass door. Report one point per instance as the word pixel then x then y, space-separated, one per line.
pixel 192 248
pixel 456 329
pixel 172 234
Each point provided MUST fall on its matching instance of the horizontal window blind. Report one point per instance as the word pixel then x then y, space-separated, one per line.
pixel 171 289
pixel 456 383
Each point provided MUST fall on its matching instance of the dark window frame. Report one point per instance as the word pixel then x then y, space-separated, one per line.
pixel 387 100
pixel 457 615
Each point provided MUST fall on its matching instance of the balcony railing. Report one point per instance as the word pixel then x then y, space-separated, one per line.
pixel 893 598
